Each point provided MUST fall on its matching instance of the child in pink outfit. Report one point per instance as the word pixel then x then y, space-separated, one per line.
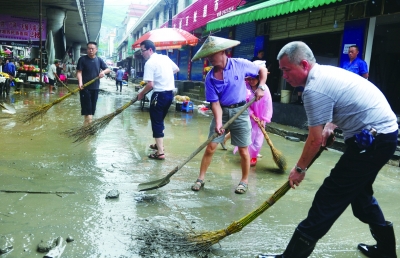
pixel 261 109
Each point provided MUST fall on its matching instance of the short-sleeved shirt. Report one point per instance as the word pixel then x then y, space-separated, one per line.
pixel 358 66
pixel 160 70
pixel 90 68
pixel 349 101
pixel 52 71
pixel 119 75
pixel 232 89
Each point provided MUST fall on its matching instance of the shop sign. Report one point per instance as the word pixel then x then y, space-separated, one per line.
pixel 20 31
pixel 200 12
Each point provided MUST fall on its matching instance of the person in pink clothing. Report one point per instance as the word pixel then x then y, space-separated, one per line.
pixel 262 110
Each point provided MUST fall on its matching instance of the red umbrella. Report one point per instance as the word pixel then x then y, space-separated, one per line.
pixel 165 38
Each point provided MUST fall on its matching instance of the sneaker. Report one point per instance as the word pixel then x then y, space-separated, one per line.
pixel 52 92
pixel 259 155
pixel 253 162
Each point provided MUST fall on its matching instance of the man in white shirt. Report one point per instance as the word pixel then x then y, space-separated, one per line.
pixel 159 73
pixel 52 74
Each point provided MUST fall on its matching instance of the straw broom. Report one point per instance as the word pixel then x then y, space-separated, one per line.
pixel 87 131
pixel 41 110
pixel 200 243
pixel 58 78
pixel 277 156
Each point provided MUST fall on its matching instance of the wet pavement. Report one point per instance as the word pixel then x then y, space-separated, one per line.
pixel 60 186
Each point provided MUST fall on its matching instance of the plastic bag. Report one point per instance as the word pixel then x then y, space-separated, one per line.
pixel 365 139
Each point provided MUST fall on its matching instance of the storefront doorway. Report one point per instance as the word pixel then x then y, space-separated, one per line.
pixel 385 59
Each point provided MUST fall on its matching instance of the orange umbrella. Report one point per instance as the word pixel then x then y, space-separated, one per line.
pixel 166 38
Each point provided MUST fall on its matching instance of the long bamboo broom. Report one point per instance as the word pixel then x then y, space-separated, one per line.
pixel 41 110
pixel 199 243
pixel 63 83
pixel 87 131
pixel 277 156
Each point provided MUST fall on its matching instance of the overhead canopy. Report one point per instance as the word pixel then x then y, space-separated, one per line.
pixel 264 10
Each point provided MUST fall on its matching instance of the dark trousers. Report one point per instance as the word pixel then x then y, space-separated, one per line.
pixel 350 183
pixel 118 83
pixel 88 101
pixel 159 105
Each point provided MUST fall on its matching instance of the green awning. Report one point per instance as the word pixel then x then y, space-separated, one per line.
pixel 264 10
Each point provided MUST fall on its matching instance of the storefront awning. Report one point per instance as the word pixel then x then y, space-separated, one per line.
pixel 264 10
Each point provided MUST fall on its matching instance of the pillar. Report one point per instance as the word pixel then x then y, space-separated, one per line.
pixel 55 22
pixel 76 52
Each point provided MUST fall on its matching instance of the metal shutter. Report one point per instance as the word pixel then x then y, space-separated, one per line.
pixel 246 34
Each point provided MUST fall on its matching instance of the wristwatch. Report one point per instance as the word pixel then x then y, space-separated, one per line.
pixel 263 87
pixel 300 170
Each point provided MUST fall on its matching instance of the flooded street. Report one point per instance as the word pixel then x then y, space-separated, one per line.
pixel 60 186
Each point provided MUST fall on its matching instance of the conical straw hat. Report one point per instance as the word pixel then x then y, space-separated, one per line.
pixel 213 45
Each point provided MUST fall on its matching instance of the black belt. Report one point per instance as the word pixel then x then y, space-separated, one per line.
pixel 235 105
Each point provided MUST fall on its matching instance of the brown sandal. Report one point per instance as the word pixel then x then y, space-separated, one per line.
pixel 157 156
pixel 153 146
pixel 198 185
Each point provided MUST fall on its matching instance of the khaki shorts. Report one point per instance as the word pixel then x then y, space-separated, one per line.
pixel 240 128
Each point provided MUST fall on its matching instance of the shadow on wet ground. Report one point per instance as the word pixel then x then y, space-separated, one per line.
pixel 61 186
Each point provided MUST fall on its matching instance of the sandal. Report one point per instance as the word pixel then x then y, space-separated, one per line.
pixel 157 156
pixel 241 188
pixel 198 185
pixel 153 146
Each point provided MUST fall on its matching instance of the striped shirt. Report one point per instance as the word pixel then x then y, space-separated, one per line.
pixel 349 101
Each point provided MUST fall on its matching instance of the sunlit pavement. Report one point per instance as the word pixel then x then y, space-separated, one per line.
pixel 39 157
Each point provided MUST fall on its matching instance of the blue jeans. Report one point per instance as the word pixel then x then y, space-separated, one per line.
pixel 159 105
pixel 350 183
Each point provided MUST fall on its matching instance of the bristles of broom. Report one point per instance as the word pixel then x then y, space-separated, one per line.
pixel 277 156
pixel 41 110
pixel 88 131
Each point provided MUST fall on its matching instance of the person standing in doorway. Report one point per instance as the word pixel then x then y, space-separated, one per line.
pixel 159 73
pixel 118 78
pixel 89 67
pixel 356 64
pixel 334 97
pixel 226 91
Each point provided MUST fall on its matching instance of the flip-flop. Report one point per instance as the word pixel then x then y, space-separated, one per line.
pixel 241 188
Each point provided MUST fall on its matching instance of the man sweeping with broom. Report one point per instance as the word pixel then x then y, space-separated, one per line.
pixel 226 91
pixel 335 97
pixel 89 67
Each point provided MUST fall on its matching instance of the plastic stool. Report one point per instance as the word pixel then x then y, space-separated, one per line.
pixel 187 106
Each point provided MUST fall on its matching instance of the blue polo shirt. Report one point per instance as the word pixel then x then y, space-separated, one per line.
pixel 358 66
pixel 232 89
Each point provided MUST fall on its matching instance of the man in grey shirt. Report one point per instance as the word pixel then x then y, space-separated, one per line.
pixel 334 97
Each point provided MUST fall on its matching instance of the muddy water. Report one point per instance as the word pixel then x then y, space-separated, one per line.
pixel 38 157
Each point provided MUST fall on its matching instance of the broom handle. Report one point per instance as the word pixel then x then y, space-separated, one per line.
pixel 63 83
pixel 237 226
pixel 263 131
pixel 212 137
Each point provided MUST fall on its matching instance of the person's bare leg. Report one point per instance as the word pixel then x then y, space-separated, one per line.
pixel 245 163
pixel 207 158
pixel 160 145
pixel 87 119
pixel 227 137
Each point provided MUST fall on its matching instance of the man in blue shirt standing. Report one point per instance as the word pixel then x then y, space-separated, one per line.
pixel 9 68
pixel 355 64
pixel 226 90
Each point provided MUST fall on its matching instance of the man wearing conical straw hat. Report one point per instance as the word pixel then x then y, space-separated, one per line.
pixel 226 91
